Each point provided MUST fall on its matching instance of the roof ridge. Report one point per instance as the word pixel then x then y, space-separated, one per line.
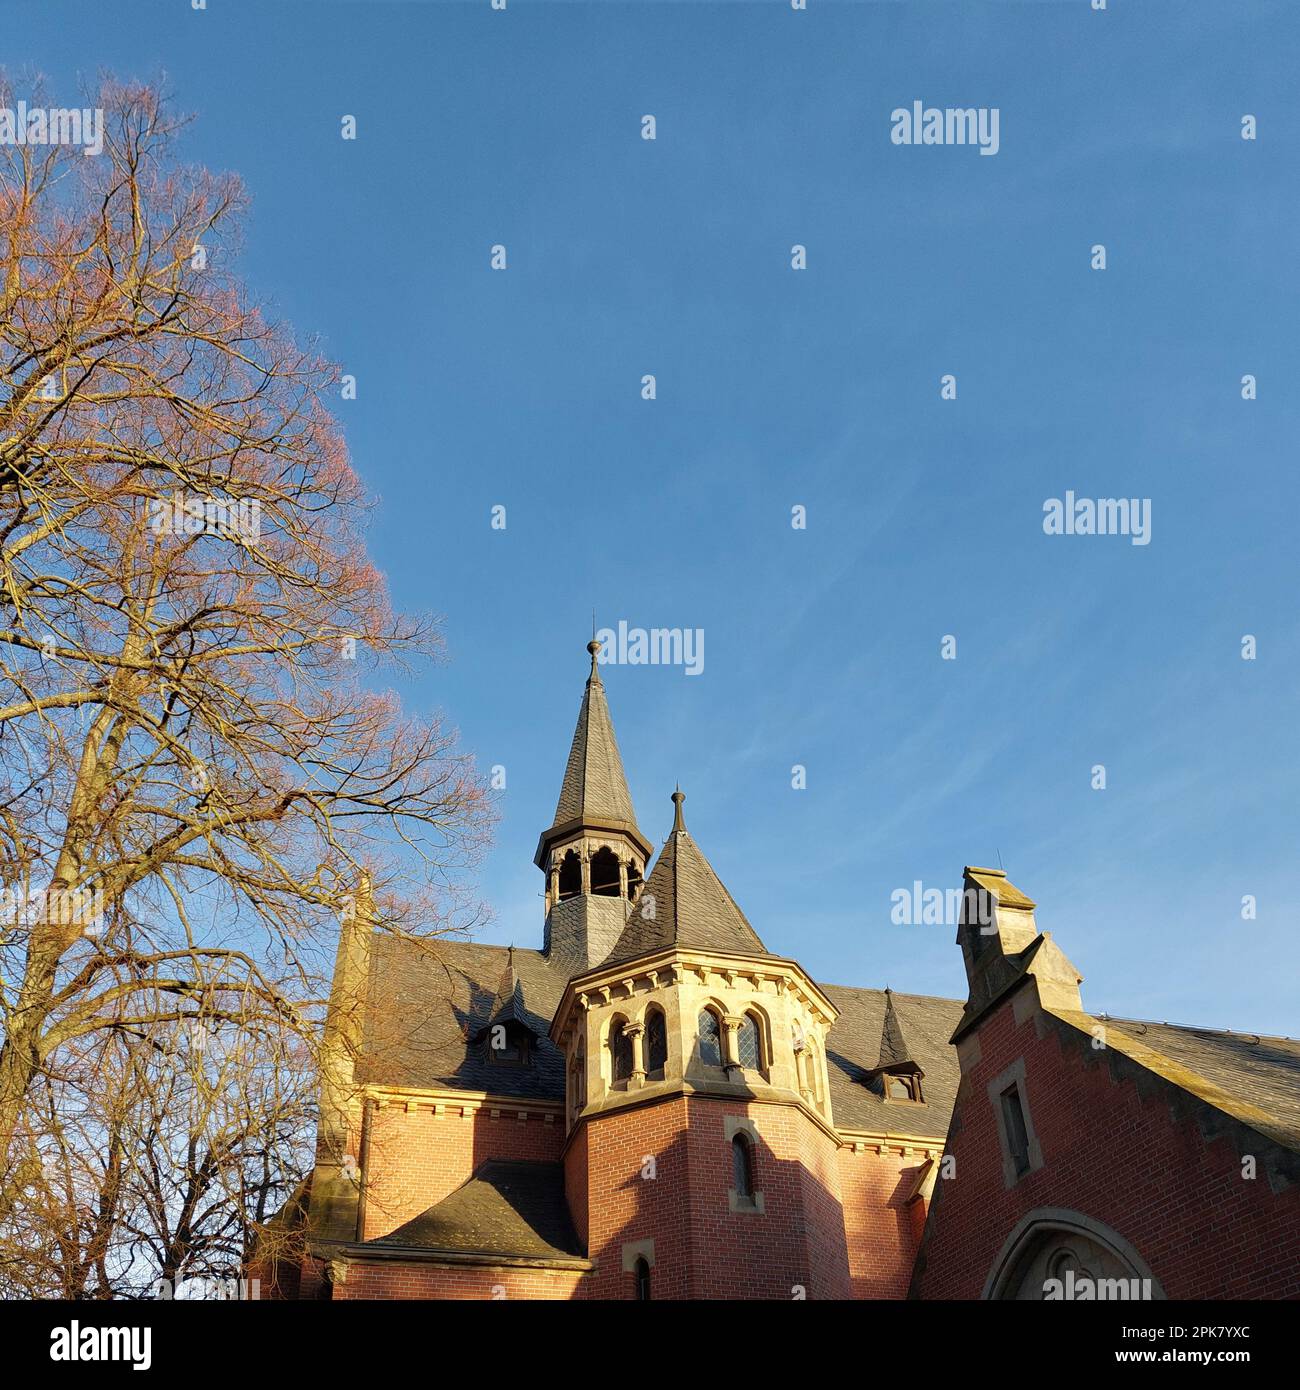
pixel 1200 1028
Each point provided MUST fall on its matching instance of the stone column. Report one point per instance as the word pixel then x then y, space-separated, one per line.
pixel 622 879
pixel 801 1067
pixel 730 1025
pixel 636 1031
pixel 585 855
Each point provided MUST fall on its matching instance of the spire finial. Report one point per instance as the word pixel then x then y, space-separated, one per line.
pixel 594 648
pixel 678 823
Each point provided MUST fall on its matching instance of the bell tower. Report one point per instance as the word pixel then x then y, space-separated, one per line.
pixel 594 854
pixel 701 1155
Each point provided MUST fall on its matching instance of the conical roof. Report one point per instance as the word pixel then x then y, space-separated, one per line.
pixel 894 1050
pixel 685 904
pixel 595 787
pixel 508 1003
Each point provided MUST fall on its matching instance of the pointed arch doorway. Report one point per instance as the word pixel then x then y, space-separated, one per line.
pixel 1052 1243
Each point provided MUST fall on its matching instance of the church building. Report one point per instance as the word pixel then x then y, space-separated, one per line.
pixel 657 1106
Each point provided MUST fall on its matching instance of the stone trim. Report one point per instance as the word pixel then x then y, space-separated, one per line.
pixel 733 1125
pixel 635 1250
pixel 1062 1219
pixel 1014 1075
pixel 415 1100
pixel 655 1092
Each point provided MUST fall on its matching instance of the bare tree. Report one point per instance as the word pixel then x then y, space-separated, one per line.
pixel 193 766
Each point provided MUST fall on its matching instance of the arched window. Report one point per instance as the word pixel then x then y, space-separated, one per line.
pixel 642 1270
pixel 620 1050
pixel 742 1165
pixel 570 876
pixel 579 1080
pixel 710 1039
pixel 633 881
pixel 656 1043
pixel 604 873
pixel 749 1043
pixel 813 1065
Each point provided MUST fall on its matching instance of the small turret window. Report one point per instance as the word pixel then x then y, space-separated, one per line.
pixel 710 1039
pixel 656 1043
pixel 749 1043
pixel 570 876
pixel 642 1269
pixel 604 873
pixel 620 1049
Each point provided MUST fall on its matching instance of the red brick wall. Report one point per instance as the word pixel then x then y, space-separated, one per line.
pixel 623 1206
pixel 575 1183
pixel 883 1231
pixel 1129 1155
pixel 415 1160
pixel 702 1248
pixel 392 1279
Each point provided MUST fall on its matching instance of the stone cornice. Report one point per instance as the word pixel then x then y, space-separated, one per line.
pixel 657 1093
pixel 467 1103
pixel 917 1145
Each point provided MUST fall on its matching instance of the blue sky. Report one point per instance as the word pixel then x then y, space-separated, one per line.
pixel 819 387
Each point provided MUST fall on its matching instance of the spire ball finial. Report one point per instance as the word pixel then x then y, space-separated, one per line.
pixel 594 648
pixel 678 797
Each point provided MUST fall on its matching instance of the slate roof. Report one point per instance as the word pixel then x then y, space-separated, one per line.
pixel 507 1005
pixel 505 1209
pixel 1264 1071
pixel 594 787
pixel 853 1048
pixel 427 1003
pixel 894 1050
pixel 684 903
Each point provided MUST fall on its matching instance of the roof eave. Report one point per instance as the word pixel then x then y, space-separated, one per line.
pixel 562 829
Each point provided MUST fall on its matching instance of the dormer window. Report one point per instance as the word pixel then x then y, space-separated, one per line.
pixel 508 1045
pixel 904 1086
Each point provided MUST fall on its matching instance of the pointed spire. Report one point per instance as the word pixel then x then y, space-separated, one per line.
pixel 508 1002
pixel 684 903
pixel 595 787
pixel 894 1051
